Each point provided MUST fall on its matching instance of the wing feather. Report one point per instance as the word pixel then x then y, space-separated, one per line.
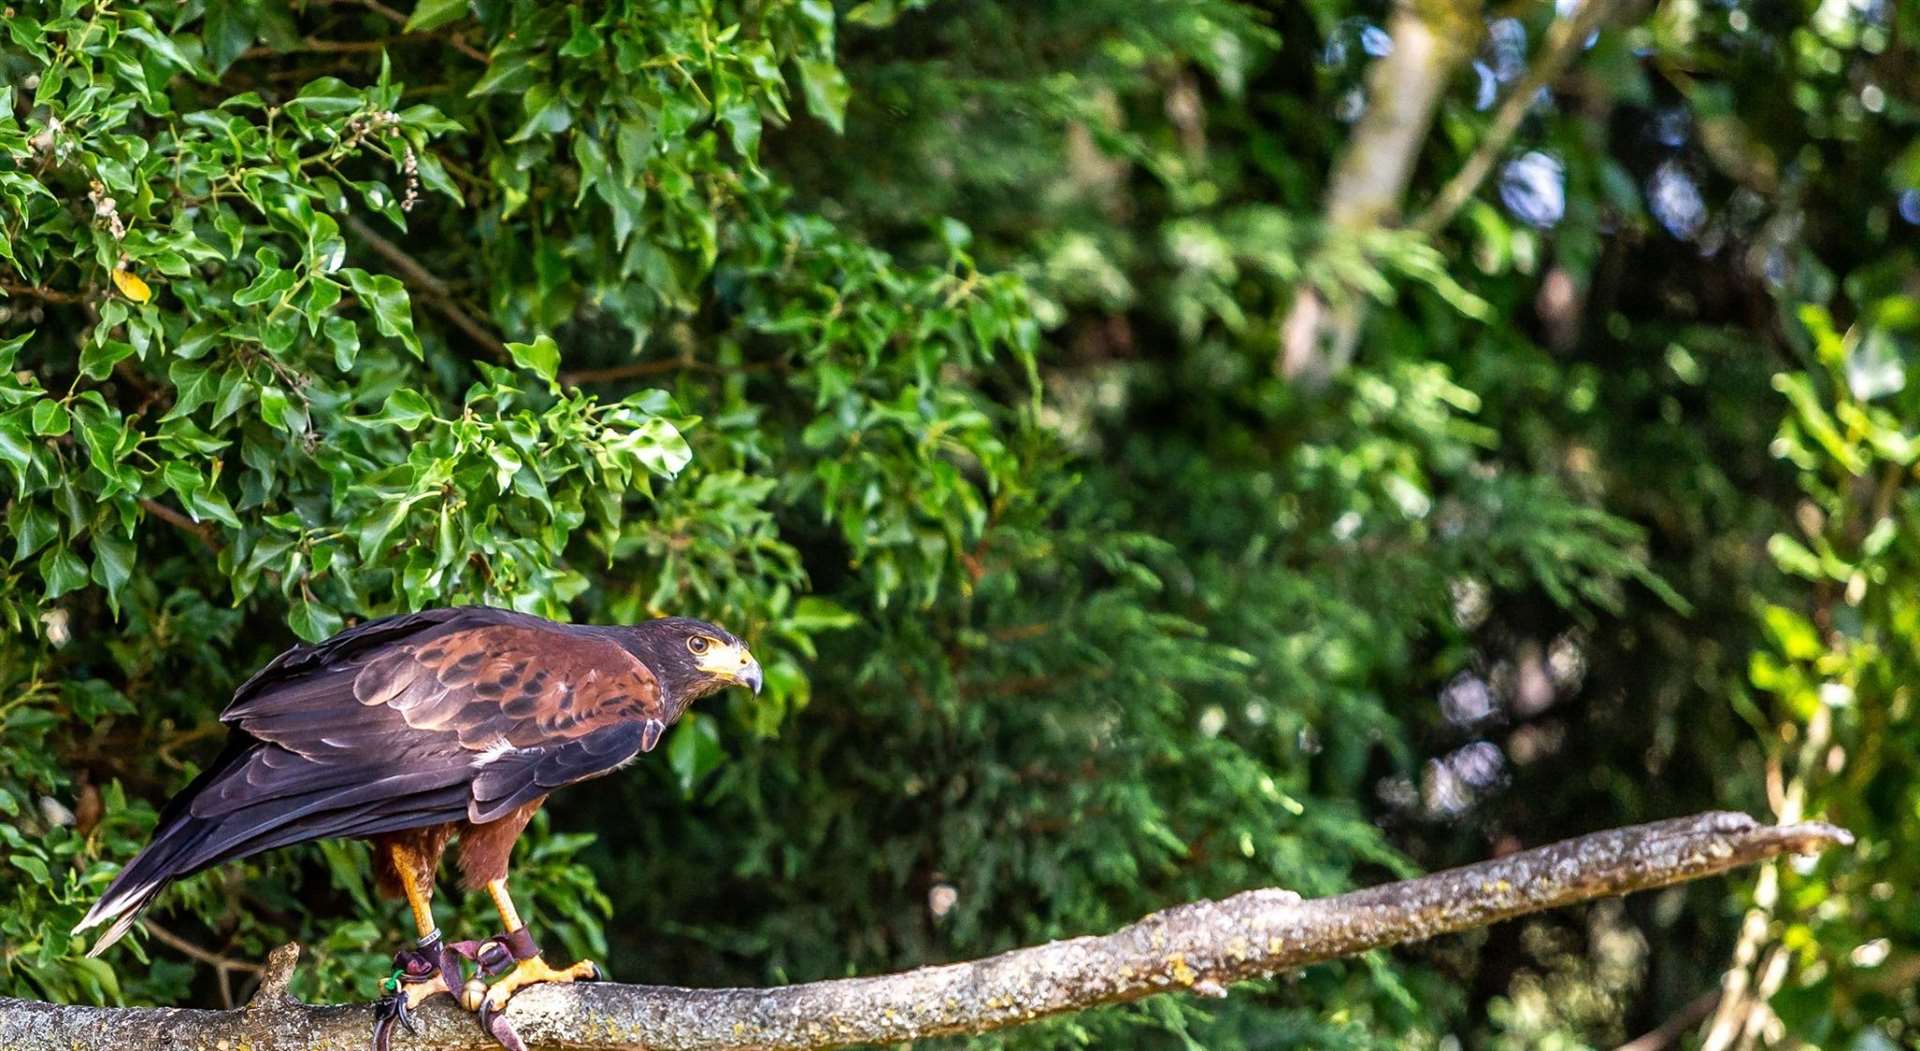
pixel 403 722
pixel 463 691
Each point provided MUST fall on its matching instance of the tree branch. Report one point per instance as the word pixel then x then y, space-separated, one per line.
pixel 432 291
pixel 1200 947
pixel 45 295
pixel 1565 38
pixel 458 42
pixel 200 530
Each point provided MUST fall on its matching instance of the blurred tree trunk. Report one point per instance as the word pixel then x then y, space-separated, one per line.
pixel 1431 38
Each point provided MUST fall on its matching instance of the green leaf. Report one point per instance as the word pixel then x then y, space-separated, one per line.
pixel 432 14
pixel 815 614
pixel 32 866
pixel 379 526
pixel 14 450
pixel 193 386
pixel 312 620
pixel 542 356
pixel 347 864
pixel 694 751
pixel 328 95
pixel 112 565
pixel 229 30
pixel 826 91
pixel 62 570
pixel 386 297
pixel 170 52
pixel 50 418
pixel 406 409
pixel 10 349
pixel 32 525
pixel 270 283
pixel 98 360
pixel 273 407
pixel 510 72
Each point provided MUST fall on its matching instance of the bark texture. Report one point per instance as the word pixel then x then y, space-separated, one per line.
pixel 1199 947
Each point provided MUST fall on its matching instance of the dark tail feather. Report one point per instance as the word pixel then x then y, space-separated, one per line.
pixel 145 876
pixel 184 844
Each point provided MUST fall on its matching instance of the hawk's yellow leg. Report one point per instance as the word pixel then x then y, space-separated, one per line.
pixel 534 970
pixel 420 900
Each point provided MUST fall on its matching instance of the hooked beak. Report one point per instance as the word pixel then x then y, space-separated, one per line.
pixel 732 664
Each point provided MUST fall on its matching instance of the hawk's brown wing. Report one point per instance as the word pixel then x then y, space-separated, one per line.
pixel 518 704
pixel 404 722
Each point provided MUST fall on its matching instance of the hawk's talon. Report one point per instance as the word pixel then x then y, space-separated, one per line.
pixel 531 971
pixel 419 975
pixel 496 1025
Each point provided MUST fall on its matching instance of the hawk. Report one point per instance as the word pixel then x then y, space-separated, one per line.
pixel 419 729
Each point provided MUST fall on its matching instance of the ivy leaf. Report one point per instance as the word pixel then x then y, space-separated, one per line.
pixel 163 45
pixel 131 286
pixel 432 14
pixel 112 565
pixel 510 72
pixel 10 349
pixel 14 450
pixel 542 356
pixel 406 409
pixel 62 570
pixel 312 620
pixel 230 30
pixel 32 526
pixel 826 91
pixel 98 360
pixel 193 386
pixel 273 407
pixel 50 418
pixel 387 298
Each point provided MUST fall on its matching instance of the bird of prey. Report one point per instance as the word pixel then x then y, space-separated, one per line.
pixel 417 729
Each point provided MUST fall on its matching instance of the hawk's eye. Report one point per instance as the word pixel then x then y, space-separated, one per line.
pixel 698 644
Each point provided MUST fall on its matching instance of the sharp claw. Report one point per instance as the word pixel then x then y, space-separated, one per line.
pixel 497 1026
pixel 414 968
pixel 385 1013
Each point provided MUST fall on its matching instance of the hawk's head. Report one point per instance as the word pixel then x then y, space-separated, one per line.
pixel 693 658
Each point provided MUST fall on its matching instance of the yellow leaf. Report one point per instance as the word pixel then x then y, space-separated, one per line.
pixel 131 286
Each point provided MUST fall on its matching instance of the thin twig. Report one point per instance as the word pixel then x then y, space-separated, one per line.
pixel 200 530
pixel 1565 40
pixel 639 369
pixel 186 948
pixel 1669 1032
pixel 47 295
pixel 399 18
pixel 316 45
pixel 432 290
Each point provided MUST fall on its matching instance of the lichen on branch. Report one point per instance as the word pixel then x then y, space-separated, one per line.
pixel 1201 947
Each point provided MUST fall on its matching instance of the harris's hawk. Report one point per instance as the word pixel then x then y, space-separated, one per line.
pixel 418 729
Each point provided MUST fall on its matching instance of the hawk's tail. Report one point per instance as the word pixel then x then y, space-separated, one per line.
pixel 278 799
pixel 145 876
pixel 176 838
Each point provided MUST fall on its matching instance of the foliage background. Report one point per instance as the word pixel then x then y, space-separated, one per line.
pixel 930 345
